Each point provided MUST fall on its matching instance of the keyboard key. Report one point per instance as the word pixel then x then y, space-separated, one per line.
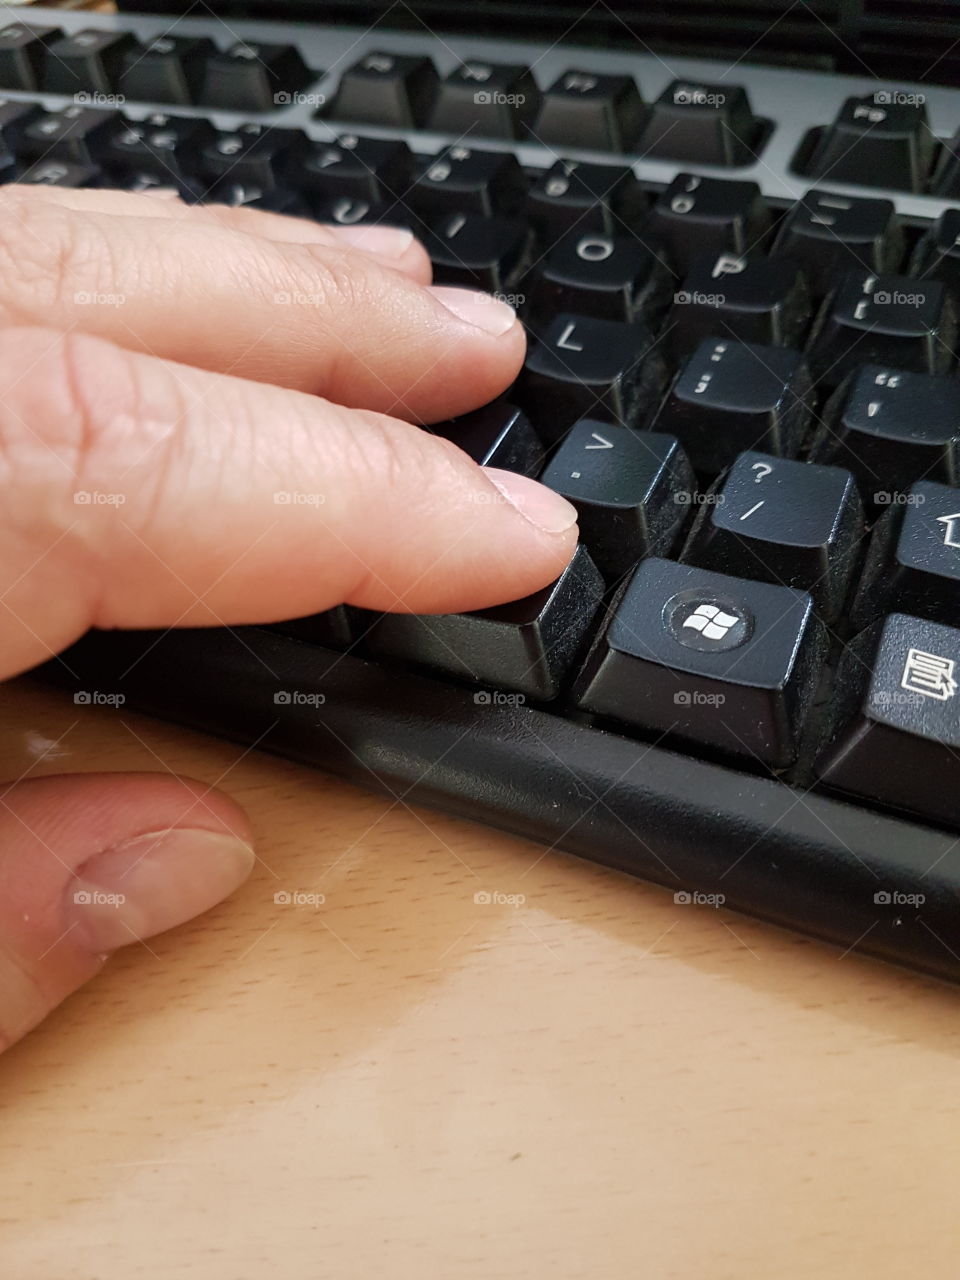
pixel 485 100
pixel 88 61
pixel 526 647
pixel 733 396
pixel 188 189
pixel 483 253
pixel 167 69
pixel 701 124
pixel 709 659
pixel 69 134
pixel 786 522
pixel 895 320
pixel 946 180
pixel 876 141
pixel 914 561
pixel 158 144
pixel 345 211
pixel 901 743
pixel 595 112
pixel 586 368
pixel 462 180
pixel 830 235
pixel 255 154
pixel 498 435
pixel 708 215
pixel 14 117
pixel 595 274
pixel 254 77
pixel 56 173
pixel 937 255
pixel 632 490
pixel 750 299
pixel 248 195
pixel 890 428
pixel 22 50
pixel 386 88
pixel 372 169
pixel 572 196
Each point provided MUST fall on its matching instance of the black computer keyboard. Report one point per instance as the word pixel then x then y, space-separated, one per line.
pixel 741 286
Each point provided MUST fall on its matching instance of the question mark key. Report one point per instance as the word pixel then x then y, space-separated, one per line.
pixel 786 522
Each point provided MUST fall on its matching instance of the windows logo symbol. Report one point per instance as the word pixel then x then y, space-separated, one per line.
pixel 711 621
pixel 699 619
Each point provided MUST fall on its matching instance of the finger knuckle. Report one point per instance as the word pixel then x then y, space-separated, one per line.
pixel 49 258
pixel 339 282
pixel 68 414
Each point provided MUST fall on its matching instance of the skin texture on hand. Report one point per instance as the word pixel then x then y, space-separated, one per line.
pixel 209 417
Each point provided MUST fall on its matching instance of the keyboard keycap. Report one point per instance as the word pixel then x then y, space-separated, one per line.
pixel 386 88
pixel 900 742
pixel 526 647
pixel 254 154
pixel 750 299
pixel 895 320
pixel 596 112
pixel 946 180
pixel 830 235
pixel 462 180
pixel 586 368
pixel 890 428
pixel 69 134
pixel 701 124
pixel 786 522
pixel 594 274
pixel 254 77
pixel 876 141
pixel 88 61
pixel 632 490
pixel 914 561
pixel 56 173
pixel 159 144
pixel 485 100
pixel 188 189
pixel 937 255
pixel 498 435
pixel 709 659
pixel 571 196
pixel 733 396
pixel 345 211
pixel 248 195
pixel 372 169
pixel 22 50
pixel 168 69
pixel 483 253
pixel 708 215
pixel 14 117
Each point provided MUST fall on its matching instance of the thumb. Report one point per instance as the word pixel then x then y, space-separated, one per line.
pixel 100 861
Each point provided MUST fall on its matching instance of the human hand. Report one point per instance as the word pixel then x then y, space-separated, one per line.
pixel 181 367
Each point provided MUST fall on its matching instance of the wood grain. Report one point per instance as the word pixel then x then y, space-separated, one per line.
pixel 404 1083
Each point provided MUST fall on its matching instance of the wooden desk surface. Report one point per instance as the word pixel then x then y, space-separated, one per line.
pixel 405 1083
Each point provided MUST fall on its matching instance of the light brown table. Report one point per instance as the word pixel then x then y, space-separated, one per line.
pixel 404 1084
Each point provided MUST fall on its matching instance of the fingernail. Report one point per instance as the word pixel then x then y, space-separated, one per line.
pixel 480 309
pixel 538 504
pixel 151 883
pixel 388 242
